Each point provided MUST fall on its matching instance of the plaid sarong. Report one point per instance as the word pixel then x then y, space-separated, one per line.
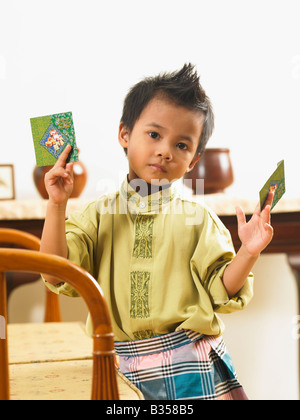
pixel 180 365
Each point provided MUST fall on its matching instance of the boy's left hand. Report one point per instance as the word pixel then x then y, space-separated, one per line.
pixel 258 232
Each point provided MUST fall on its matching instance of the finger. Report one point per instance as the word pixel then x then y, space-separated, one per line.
pixel 257 209
pixel 269 199
pixel 269 229
pixel 266 214
pixel 69 167
pixel 69 171
pixel 61 161
pixel 241 218
pixel 56 172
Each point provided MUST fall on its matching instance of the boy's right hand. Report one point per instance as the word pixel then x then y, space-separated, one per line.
pixel 59 180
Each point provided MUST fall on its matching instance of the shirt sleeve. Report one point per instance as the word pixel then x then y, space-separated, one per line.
pixel 219 252
pixel 81 235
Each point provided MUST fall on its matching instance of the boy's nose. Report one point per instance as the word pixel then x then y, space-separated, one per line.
pixel 164 152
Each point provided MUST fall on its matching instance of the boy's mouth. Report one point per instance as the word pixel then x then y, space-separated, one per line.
pixel 157 168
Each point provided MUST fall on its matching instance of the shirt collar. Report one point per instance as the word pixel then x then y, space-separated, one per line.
pixel 140 202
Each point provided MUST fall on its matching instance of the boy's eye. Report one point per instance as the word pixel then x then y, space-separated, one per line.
pixel 154 135
pixel 182 146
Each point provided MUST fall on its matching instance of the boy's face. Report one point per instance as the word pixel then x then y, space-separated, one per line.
pixel 163 142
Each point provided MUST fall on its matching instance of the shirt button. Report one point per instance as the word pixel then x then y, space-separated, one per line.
pixel 142 205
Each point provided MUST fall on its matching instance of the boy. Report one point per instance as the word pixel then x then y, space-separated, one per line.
pixel 164 278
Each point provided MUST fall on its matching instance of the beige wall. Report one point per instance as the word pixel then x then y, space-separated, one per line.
pixel 261 339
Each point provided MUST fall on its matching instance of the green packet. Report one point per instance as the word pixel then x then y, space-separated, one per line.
pixel 275 183
pixel 51 134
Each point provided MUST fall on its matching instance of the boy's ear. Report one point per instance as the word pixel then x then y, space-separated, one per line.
pixel 193 163
pixel 123 135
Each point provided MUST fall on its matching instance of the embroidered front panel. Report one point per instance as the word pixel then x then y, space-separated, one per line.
pixel 144 334
pixel 143 237
pixel 139 305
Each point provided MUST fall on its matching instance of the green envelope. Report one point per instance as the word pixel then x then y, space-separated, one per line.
pixel 51 134
pixel 276 182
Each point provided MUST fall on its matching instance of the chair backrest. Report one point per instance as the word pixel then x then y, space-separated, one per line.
pixel 104 382
pixel 32 242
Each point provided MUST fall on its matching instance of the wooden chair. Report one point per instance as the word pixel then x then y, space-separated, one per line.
pixel 104 380
pixel 23 239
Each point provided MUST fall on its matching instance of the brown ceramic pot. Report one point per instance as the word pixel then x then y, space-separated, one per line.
pixel 215 168
pixel 80 179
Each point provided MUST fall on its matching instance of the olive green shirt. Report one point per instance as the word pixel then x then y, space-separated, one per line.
pixel 159 261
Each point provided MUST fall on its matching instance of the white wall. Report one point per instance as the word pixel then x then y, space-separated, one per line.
pixel 82 56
